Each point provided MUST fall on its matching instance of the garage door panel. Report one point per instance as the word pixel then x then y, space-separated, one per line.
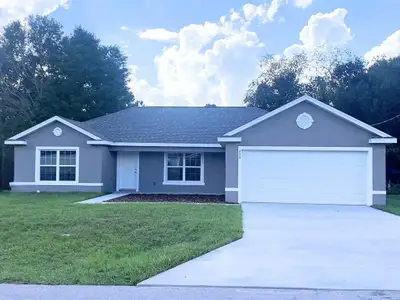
pixel 324 177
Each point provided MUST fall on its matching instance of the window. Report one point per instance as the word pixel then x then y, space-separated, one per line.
pixel 58 165
pixel 184 168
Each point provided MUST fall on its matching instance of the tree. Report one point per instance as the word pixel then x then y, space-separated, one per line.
pixel 284 78
pixel 44 72
pixel 96 77
pixel 278 83
pixel 367 92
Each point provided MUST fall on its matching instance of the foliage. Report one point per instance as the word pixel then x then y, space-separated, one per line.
pixel 48 239
pixel 279 82
pixel 370 93
pixel 45 72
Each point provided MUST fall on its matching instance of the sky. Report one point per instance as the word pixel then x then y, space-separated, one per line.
pixel 196 52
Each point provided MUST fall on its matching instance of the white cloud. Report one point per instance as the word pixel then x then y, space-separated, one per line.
pixel 234 16
pixel 389 48
pixel 19 9
pixel 273 9
pixel 158 34
pixel 212 62
pixel 142 89
pixel 124 28
pixel 208 63
pixel 302 3
pixel 323 31
pixel 265 12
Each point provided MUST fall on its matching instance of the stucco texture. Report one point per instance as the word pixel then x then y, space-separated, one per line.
pixel 327 130
pixel 96 163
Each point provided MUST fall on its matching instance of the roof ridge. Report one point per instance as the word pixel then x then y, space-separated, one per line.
pixel 159 106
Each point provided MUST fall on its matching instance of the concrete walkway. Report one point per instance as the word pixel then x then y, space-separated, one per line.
pixel 45 292
pixel 301 246
pixel 103 198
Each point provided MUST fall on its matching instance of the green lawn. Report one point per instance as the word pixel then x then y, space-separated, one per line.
pixel 393 204
pixel 46 238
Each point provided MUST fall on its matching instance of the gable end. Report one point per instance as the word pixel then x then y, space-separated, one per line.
pixel 318 103
pixel 13 140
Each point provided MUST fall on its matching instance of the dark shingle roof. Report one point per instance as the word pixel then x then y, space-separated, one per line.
pixel 171 124
pixel 85 127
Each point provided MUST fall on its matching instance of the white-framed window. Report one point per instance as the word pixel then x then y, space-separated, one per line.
pixel 184 168
pixel 57 165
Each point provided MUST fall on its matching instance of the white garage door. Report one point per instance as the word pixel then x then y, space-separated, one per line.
pixel 316 177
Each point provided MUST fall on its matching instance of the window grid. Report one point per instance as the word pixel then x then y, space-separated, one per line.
pixel 65 172
pixel 191 165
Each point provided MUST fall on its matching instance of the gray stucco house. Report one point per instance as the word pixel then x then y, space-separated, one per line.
pixel 303 152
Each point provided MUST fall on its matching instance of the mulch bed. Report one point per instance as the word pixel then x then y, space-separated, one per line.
pixel 170 198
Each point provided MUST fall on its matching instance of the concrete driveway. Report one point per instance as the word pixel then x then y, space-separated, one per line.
pixel 301 246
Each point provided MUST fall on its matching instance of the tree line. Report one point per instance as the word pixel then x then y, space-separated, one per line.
pixel 46 72
pixel 368 91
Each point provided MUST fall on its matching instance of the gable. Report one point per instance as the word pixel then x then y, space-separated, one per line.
pixel 317 103
pixel 327 130
pixel 71 124
pixel 45 136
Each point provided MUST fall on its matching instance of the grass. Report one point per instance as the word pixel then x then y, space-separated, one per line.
pixel 393 205
pixel 47 239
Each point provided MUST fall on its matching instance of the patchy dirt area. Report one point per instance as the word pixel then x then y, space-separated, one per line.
pixel 170 198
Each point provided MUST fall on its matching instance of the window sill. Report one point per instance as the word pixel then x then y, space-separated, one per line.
pixel 53 182
pixel 183 183
pixel 23 183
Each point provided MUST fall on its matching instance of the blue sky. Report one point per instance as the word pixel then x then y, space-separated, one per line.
pixel 206 51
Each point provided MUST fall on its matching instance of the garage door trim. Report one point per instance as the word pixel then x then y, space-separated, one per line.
pixel 369 176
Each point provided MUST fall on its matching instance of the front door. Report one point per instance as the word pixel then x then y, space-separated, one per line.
pixel 127 170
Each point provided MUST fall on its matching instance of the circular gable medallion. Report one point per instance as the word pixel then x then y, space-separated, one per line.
pixel 57 131
pixel 304 120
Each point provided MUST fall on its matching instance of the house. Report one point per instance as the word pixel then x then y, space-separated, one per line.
pixel 303 152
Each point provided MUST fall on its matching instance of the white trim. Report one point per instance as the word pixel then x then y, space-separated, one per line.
pixel 51 120
pixel 103 143
pixel 284 148
pixel 56 148
pixel 21 183
pixel 239 183
pixel 317 103
pixel 57 181
pixel 230 189
pixel 128 144
pixel 383 141
pixel 369 176
pixel 229 139
pixel 137 172
pixel 379 192
pixel 183 182
pixel 7 142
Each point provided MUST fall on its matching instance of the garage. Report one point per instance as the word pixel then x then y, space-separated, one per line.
pixel 305 175
pixel 306 152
